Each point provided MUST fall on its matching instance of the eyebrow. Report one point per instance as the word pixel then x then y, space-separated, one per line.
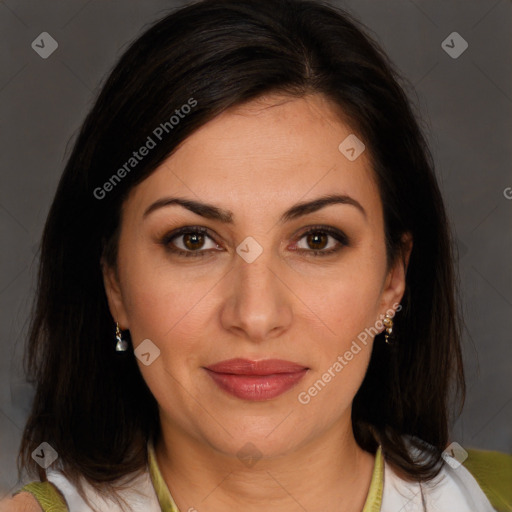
pixel 213 212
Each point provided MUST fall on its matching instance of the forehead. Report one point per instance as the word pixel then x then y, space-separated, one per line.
pixel 268 153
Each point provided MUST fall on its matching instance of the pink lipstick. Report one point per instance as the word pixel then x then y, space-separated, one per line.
pixel 256 380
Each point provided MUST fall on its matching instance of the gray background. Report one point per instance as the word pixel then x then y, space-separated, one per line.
pixel 466 107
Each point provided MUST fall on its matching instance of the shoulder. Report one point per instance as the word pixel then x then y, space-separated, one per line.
pixel 135 489
pixel 493 472
pixel 59 494
pixel 452 489
pixel 37 496
pixel 22 502
pixel 470 480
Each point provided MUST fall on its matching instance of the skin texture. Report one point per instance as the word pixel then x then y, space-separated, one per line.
pixel 257 161
pixel 22 502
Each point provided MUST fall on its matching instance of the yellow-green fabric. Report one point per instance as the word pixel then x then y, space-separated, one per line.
pixel 48 497
pixel 165 500
pixel 493 472
pixel 374 498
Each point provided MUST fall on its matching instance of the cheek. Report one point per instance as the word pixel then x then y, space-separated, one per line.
pixel 343 345
pixel 330 392
pixel 152 295
pixel 168 306
pixel 344 303
pixel 165 307
pixel 346 307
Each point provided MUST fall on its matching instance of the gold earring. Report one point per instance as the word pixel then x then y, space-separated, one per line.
pixel 121 345
pixel 388 322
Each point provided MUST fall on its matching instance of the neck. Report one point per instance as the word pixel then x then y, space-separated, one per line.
pixel 327 474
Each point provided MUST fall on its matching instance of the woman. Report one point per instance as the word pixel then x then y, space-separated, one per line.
pixel 247 293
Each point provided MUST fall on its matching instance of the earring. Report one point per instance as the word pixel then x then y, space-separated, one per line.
pixel 121 345
pixel 388 322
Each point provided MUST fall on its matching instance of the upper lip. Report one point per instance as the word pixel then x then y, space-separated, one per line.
pixel 263 367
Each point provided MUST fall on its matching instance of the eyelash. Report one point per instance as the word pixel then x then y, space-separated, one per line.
pixel 339 236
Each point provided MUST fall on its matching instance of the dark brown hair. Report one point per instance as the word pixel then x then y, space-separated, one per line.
pixel 92 404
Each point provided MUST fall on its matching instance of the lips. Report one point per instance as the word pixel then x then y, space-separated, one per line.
pixel 247 367
pixel 256 380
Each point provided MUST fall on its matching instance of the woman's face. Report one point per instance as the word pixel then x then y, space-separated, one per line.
pixel 251 286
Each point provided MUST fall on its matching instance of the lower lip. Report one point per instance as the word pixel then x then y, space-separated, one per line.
pixel 256 387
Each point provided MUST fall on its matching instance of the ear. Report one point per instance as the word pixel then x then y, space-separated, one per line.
pixel 114 295
pixel 394 286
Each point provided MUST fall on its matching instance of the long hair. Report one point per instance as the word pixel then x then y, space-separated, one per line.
pixel 91 403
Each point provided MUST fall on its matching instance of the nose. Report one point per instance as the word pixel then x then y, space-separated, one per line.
pixel 258 302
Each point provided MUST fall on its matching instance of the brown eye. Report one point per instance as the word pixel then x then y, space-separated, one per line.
pixel 189 241
pixel 317 241
pixel 193 241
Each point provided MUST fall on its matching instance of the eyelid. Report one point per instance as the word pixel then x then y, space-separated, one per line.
pixel 176 233
pixel 330 230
